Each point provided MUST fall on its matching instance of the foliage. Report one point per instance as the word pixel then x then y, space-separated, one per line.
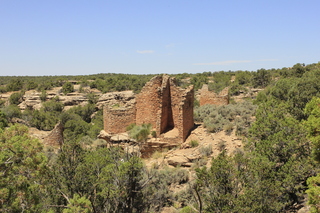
pixel 3 120
pixel 205 150
pixel 16 98
pixel 31 85
pixel 78 204
pixel 217 118
pixel 48 116
pixel 140 133
pixel 67 88
pixel 22 167
pixel 92 98
pixel 14 85
pixel 194 143
pixel 313 126
pixel 156 194
pixel 12 111
pixel 261 78
pixel 108 178
pixel 43 96
pixel 221 81
pixel 313 193
pixel 53 105
pixel 198 80
pixel 217 186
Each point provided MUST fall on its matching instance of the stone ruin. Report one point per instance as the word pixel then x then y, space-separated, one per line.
pixel 209 97
pixel 167 107
pixel 55 137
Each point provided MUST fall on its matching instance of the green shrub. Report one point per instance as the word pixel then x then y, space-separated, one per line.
pixel 3 120
pixel 15 85
pixel 187 209
pixel 154 134
pixel 229 117
pixel 140 133
pixel 16 98
pixel 194 143
pixel 67 88
pixel 43 96
pixel 2 102
pixel 12 111
pixel 3 89
pixel 31 85
pixel 53 105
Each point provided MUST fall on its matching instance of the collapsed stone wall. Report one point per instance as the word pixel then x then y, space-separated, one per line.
pixel 209 97
pixel 55 137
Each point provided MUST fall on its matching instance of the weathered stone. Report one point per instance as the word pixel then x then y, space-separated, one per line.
pixel 114 99
pixel 166 106
pixel 160 103
pixel 104 135
pixel 178 161
pixel 55 138
pixel 208 97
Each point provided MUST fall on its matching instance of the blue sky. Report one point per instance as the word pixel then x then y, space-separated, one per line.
pixel 81 37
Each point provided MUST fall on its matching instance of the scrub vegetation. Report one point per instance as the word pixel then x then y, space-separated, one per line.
pixel 276 170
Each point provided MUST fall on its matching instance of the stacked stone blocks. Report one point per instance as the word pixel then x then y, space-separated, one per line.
pixel 161 103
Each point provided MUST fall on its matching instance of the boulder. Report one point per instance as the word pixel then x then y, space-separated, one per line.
pixel 178 160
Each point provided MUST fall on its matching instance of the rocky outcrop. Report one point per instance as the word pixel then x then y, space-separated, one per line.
pixel 73 99
pixel 123 99
pixel 31 100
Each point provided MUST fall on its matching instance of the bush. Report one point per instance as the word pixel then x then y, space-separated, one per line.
pixel 3 89
pixel 3 120
pixel 140 133
pixel 12 111
pixel 218 118
pixel 154 134
pixel 67 88
pixel 206 150
pixel 43 96
pixel 15 85
pixel 187 209
pixel 194 143
pixel 16 98
pixel 53 105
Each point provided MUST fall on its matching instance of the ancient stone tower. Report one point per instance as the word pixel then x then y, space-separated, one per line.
pixel 161 103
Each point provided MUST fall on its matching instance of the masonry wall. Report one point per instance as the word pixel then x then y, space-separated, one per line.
pixel 160 103
pixel 148 103
pixel 55 137
pixel 166 118
pixel 117 120
pixel 209 97
pixel 187 112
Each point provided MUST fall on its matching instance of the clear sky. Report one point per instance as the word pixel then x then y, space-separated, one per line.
pixel 81 37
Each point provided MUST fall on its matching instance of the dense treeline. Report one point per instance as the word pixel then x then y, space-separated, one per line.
pixel 103 82
pixel 279 163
